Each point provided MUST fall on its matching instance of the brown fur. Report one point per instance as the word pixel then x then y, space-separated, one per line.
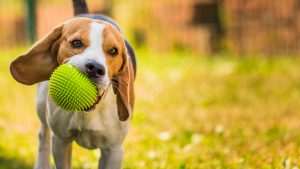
pixel 78 30
pixel 121 68
pixel 112 38
pixel 125 92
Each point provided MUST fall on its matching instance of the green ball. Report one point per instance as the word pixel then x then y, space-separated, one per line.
pixel 72 90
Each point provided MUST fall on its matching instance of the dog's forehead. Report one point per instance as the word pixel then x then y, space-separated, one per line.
pixel 84 25
pixel 74 25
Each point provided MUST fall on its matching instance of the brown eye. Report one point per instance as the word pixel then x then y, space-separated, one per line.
pixel 113 51
pixel 76 43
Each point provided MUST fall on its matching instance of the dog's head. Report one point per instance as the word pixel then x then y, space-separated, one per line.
pixel 95 47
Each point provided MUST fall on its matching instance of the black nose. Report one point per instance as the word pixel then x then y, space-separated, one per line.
pixel 94 69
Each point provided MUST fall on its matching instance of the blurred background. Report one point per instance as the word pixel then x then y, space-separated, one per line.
pixel 204 26
pixel 218 82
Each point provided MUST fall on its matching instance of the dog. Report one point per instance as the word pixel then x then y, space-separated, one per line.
pixel 96 46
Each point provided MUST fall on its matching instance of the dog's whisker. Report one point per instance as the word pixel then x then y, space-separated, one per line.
pixel 114 85
pixel 114 78
pixel 68 50
pixel 118 88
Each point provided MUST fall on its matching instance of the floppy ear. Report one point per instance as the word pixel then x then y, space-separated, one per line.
pixel 39 62
pixel 125 90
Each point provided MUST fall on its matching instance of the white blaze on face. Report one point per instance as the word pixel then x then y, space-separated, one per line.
pixel 94 52
pixel 96 41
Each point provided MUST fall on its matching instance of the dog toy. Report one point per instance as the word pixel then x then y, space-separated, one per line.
pixel 72 90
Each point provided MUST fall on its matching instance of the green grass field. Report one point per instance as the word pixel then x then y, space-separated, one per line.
pixel 191 112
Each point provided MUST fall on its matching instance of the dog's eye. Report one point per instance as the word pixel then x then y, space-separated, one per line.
pixel 76 43
pixel 113 51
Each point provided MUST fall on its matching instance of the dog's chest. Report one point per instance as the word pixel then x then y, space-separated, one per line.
pixel 98 128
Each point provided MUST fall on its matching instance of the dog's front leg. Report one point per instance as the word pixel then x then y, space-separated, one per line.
pixel 111 158
pixel 43 158
pixel 62 153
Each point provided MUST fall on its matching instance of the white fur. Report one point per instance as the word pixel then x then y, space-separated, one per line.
pixel 99 128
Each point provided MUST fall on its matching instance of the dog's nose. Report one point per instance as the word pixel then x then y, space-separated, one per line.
pixel 94 69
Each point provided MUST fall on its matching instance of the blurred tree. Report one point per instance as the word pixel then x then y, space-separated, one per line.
pixel 31 20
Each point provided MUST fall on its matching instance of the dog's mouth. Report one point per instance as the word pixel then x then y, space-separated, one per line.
pixel 99 98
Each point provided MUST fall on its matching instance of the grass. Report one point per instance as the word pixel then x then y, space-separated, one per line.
pixel 191 112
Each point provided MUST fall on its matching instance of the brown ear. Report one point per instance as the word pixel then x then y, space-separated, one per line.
pixel 39 62
pixel 125 91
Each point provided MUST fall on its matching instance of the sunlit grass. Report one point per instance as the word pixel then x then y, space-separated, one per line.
pixel 190 112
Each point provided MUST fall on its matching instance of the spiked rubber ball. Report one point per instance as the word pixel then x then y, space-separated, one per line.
pixel 72 90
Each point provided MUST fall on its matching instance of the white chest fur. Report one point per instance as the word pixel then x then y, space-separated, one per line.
pixel 95 129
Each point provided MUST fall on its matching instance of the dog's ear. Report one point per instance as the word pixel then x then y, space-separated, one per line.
pixel 39 62
pixel 125 90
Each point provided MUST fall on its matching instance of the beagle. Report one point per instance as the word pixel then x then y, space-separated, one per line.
pixel 96 46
